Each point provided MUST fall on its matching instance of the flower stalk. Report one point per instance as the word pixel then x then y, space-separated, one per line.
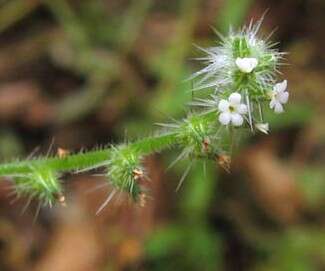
pixel 242 70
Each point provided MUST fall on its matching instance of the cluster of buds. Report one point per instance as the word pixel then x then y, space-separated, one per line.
pixel 197 137
pixel 125 171
pixel 243 70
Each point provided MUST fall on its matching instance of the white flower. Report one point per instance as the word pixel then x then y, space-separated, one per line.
pixel 246 64
pixel 262 127
pixel 279 96
pixel 232 110
pixel 223 64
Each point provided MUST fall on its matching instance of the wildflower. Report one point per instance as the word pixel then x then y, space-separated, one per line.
pixel 262 127
pixel 246 64
pixel 242 67
pixel 279 96
pixel 232 110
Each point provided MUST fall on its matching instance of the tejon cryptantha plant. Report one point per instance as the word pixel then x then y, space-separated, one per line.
pixel 242 70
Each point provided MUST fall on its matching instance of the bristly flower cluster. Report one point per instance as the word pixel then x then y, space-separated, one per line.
pixel 243 70
pixel 124 171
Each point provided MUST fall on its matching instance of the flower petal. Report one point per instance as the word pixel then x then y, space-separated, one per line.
pixel 234 98
pixel 223 106
pixel 242 109
pixel 254 62
pixel 236 119
pixel 246 64
pixel 272 103
pixel 278 108
pixel 283 97
pixel 280 87
pixel 224 118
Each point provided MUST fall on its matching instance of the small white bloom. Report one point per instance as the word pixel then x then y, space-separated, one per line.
pixel 246 64
pixel 232 110
pixel 220 63
pixel 279 96
pixel 262 127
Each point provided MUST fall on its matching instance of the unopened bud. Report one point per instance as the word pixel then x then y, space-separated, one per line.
pixel 206 144
pixel 137 173
pixel 61 199
pixel 224 161
pixel 62 153
pixel 262 127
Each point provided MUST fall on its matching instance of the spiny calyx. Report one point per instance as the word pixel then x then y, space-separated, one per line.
pixel 42 184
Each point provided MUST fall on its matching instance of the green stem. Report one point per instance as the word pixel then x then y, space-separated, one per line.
pixel 85 160
pixel 97 158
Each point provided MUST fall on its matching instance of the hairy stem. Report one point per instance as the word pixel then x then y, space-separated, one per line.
pixel 96 158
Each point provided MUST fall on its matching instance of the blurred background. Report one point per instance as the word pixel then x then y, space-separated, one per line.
pixel 83 73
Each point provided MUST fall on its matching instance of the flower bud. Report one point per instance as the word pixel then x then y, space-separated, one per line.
pixel 41 184
pixel 124 170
